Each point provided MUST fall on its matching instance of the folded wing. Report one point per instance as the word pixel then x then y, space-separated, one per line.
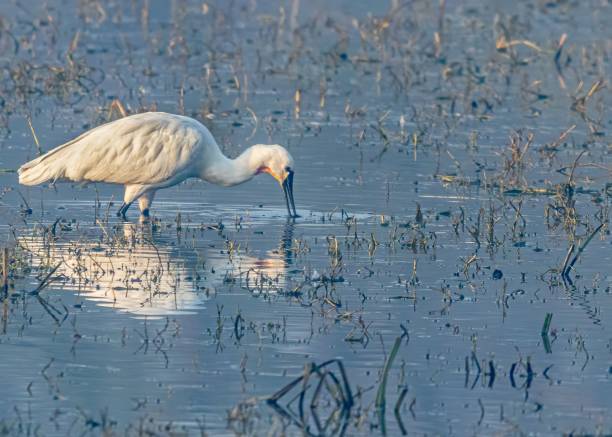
pixel 147 148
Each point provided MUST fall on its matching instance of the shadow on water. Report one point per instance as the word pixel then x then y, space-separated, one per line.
pixel 142 271
pixel 324 391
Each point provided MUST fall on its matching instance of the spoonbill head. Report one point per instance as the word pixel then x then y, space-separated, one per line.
pixel 278 163
pixel 154 150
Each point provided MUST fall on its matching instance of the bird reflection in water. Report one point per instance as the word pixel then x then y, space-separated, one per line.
pixel 142 272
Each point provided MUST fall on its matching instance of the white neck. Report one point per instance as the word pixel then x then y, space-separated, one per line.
pixel 227 172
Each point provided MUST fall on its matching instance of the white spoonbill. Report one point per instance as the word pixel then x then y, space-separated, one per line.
pixel 153 150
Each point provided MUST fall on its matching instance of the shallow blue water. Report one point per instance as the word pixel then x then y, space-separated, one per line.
pixel 145 326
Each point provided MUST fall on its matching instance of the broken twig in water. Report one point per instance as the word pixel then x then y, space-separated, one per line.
pixel 5 264
pixel 544 332
pixel 46 281
pixel 567 268
pixel 382 388
pixel 38 148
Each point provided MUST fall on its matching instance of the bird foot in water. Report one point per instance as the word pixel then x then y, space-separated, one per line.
pixel 122 210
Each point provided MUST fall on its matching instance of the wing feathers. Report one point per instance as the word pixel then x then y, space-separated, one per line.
pixel 147 148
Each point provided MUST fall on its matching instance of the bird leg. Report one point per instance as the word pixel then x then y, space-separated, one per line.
pixel 145 201
pixel 132 192
pixel 123 209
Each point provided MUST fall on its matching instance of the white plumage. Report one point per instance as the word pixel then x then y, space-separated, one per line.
pixel 153 150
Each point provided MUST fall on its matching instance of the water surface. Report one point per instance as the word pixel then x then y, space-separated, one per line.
pixel 429 213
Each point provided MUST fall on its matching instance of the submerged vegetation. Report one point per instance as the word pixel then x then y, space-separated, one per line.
pixel 450 274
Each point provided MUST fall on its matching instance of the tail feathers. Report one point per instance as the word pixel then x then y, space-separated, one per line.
pixel 50 167
pixel 38 171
